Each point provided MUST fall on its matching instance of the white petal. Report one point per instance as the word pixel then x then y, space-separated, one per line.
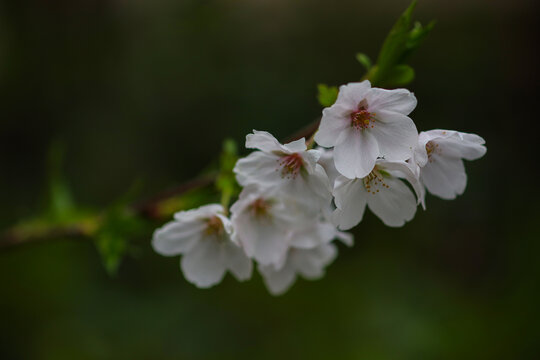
pixel 399 100
pixel 350 198
pixel 262 239
pixel 236 261
pixel 346 238
pixel 203 265
pixel 177 237
pixel 420 156
pixel 444 177
pixel 473 138
pixel 317 234
pixel 355 156
pixel 396 135
pixel 456 147
pixel 263 141
pixel 278 281
pixel 258 168
pixel 404 170
pixel 310 159
pixel 227 225
pixel 327 162
pixel 203 212
pixel 394 205
pixel 296 146
pixel 334 120
pixel 319 184
pixel 457 144
pixel 311 263
pixel 352 94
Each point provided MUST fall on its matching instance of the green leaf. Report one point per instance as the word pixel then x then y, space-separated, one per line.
pixel 400 75
pixel 61 205
pixel 112 249
pixel 118 226
pixel 327 94
pixel 402 40
pixel 364 60
pixel 226 180
pixel 416 36
pixel 394 44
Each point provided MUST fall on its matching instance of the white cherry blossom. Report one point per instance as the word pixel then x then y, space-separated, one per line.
pixel 289 168
pixel 310 252
pixel 315 233
pixel 309 263
pixel 203 237
pixel 366 123
pixel 263 221
pixel 382 190
pixel 439 156
pixel 327 162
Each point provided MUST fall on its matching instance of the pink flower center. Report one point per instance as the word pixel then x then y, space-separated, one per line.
pixel 374 181
pixel 362 119
pixel 432 148
pixel 260 207
pixel 290 165
pixel 214 226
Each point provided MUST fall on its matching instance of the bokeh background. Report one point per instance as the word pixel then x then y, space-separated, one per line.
pixel 147 90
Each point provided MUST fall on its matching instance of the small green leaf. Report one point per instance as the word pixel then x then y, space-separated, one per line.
pixel 416 36
pixel 364 60
pixel 394 43
pixel 399 75
pixel 327 94
pixel 401 42
pixel 112 248
pixel 118 226
pixel 226 180
pixel 61 204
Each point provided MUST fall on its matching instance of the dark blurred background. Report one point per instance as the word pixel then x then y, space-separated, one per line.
pixel 147 90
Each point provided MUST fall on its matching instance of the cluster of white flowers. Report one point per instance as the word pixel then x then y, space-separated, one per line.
pixel 295 200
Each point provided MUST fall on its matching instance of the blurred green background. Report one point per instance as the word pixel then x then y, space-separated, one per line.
pixel 147 90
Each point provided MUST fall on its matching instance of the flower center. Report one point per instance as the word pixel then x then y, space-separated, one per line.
pixel 260 207
pixel 374 181
pixel 362 119
pixel 214 226
pixel 432 148
pixel 290 165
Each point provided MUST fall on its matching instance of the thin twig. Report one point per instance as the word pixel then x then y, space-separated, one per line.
pixel 12 238
pixel 146 208
pixel 305 132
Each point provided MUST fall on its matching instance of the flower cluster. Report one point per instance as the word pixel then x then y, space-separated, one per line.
pixel 296 200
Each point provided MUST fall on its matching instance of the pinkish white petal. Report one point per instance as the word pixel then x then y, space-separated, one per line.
pixel 396 135
pixel 399 100
pixel 203 265
pixel 444 177
pixel 350 198
pixel 394 204
pixel 334 120
pixel 356 154
pixel 177 237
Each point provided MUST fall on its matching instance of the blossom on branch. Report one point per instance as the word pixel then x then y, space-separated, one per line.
pixel 382 190
pixel 290 169
pixel 203 237
pixel 263 221
pixel 366 123
pixel 310 263
pixel 439 158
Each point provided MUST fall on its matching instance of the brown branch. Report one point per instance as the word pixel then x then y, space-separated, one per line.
pixel 148 208
pixel 15 237
pixel 304 132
